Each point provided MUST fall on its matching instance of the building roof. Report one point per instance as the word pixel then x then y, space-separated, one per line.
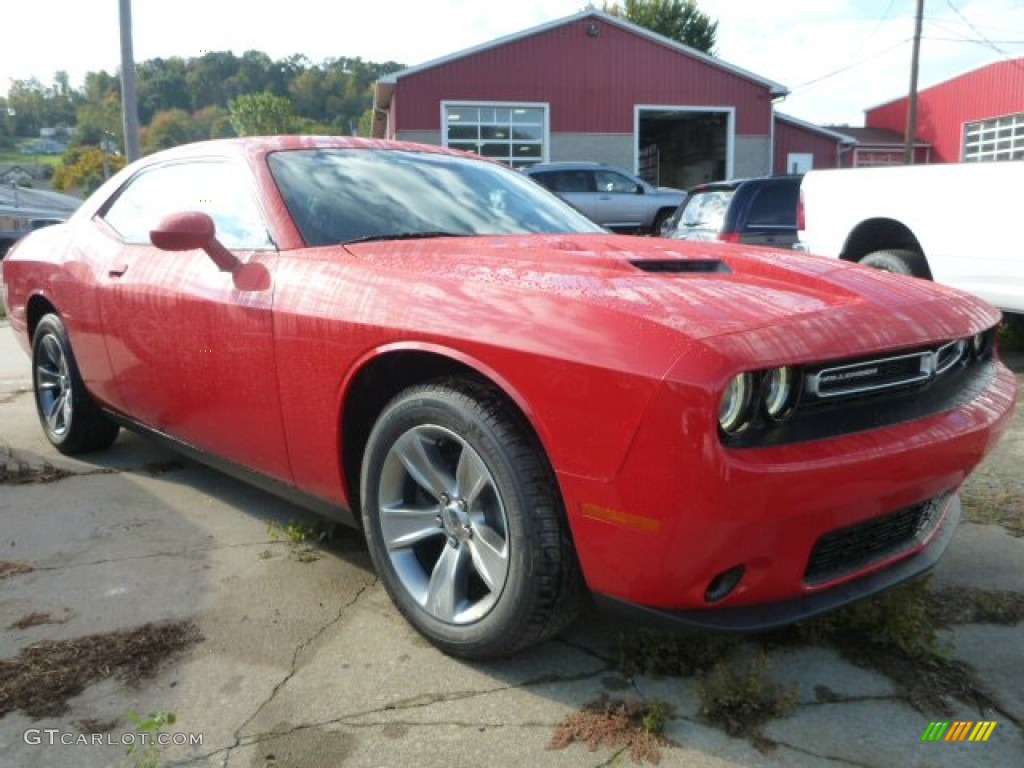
pixel 385 85
pixel 36 203
pixel 1017 62
pixel 843 137
pixel 875 137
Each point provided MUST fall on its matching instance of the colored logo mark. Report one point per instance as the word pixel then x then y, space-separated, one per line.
pixel 960 730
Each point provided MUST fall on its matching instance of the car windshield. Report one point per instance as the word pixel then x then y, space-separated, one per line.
pixel 343 195
pixel 706 210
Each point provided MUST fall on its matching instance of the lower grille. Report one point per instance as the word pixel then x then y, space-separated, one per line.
pixel 846 550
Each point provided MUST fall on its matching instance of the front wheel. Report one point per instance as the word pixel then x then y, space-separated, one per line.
pixel 465 524
pixel 70 419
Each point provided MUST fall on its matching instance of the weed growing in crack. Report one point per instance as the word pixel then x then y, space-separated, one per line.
pixel 654 652
pixel 148 755
pixel 899 620
pixel 624 724
pixel 740 697
pixel 298 534
pixel 896 634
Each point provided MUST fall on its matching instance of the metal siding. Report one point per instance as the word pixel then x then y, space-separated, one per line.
pixel 591 83
pixel 991 91
pixel 793 138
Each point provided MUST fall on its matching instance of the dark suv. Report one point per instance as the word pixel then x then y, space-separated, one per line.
pixel 760 211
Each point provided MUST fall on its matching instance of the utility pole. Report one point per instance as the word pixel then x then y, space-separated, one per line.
pixel 129 100
pixel 908 139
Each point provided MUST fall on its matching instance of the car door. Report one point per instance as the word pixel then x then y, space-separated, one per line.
pixel 618 202
pixel 191 354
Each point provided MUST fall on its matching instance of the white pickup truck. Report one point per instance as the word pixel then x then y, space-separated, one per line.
pixel 957 224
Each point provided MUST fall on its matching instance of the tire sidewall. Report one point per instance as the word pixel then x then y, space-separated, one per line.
pixel 465 418
pixel 51 325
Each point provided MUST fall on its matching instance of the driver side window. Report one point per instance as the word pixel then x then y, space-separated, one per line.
pixel 216 188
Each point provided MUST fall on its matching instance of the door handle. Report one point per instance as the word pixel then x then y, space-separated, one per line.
pixel 117 270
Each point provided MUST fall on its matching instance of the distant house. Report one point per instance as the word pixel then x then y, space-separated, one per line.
pixel 976 116
pixel 801 146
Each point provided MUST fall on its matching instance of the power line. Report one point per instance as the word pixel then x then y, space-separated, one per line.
pixel 843 70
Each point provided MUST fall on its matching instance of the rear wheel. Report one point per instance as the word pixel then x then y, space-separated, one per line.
pixel 897 261
pixel 71 420
pixel 465 524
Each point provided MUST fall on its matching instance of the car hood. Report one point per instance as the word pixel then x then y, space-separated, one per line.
pixel 778 305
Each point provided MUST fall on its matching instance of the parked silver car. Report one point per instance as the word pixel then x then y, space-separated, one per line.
pixel 609 196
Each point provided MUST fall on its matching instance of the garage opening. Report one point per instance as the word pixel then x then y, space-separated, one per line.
pixel 683 147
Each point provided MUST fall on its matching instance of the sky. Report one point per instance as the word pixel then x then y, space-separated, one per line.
pixel 837 57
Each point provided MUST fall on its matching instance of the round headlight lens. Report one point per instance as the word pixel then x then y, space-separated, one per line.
pixel 778 392
pixel 734 407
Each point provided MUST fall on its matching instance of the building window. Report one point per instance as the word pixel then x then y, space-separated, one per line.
pixel 868 158
pixel 512 133
pixel 1001 138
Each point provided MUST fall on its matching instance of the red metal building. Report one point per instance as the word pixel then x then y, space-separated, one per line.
pixel 801 146
pixel 976 116
pixel 589 87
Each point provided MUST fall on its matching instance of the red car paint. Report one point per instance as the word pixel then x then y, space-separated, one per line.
pixel 619 372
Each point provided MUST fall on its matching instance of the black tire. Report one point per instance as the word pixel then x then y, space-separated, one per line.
pixel 659 221
pixel 464 522
pixel 70 419
pixel 899 262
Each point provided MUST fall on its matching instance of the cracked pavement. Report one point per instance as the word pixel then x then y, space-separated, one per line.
pixel 309 664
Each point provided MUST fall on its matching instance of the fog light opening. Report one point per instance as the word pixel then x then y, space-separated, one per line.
pixel 724 583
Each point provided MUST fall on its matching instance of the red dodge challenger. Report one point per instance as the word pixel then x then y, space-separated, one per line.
pixel 517 408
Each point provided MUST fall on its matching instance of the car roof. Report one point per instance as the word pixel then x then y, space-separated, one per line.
pixel 748 181
pixel 573 165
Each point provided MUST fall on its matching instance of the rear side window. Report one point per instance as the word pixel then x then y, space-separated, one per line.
pixel 566 181
pixel 706 209
pixel 774 205
pixel 218 189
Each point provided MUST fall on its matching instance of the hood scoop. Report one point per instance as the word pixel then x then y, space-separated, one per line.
pixel 682 266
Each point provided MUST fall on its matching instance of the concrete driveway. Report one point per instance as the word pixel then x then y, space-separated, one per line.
pixel 303 660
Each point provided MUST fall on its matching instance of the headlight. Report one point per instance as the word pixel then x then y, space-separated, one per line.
pixel 734 407
pixel 778 392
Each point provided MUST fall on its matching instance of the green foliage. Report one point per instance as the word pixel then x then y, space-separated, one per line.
pixel 653 652
pixel 900 619
pixel 168 129
pixel 739 697
pixel 148 755
pixel 262 114
pixel 85 168
pixel 678 20
pixel 332 97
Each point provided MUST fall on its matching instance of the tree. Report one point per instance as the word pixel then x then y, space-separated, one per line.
pixel 85 168
pixel 169 128
pixel 262 114
pixel 679 20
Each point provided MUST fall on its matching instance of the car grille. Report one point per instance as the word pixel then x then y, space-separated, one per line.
pixel 846 550
pixel 867 376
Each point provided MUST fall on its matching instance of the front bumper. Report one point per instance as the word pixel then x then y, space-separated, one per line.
pixel 684 511
pixel 767 616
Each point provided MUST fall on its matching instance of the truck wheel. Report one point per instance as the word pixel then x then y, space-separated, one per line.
pixel 900 262
pixel 465 523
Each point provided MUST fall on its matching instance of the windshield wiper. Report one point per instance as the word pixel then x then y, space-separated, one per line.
pixel 404 236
